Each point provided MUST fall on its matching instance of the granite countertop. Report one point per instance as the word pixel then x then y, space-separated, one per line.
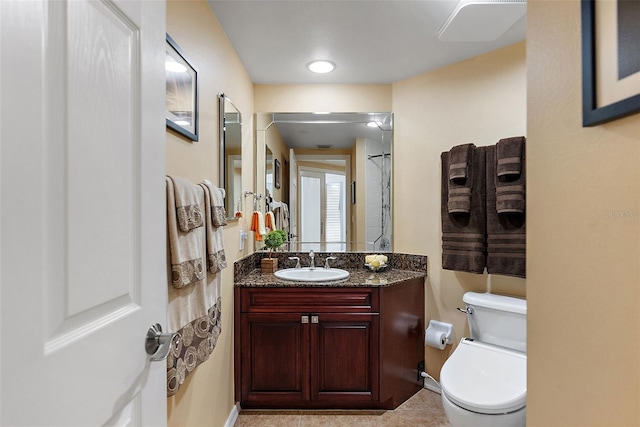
pixel 247 272
pixel 357 278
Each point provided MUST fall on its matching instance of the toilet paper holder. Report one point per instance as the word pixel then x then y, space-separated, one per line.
pixel 445 328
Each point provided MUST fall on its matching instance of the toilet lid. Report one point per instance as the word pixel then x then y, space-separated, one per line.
pixel 484 378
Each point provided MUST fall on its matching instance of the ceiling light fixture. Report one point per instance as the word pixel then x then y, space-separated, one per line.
pixel 321 67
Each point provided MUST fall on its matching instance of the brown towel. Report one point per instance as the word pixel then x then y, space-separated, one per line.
pixel 459 160
pixel 509 156
pixel 460 178
pixel 506 232
pixel 510 185
pixel 464 234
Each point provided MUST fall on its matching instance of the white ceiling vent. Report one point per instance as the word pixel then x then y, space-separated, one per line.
pixel 481 21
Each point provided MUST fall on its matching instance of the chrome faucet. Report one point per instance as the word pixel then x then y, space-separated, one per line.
pixel 326 261
pixel 312 263
pixel 297 260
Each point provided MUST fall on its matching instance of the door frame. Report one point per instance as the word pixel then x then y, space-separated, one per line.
pixel 301 158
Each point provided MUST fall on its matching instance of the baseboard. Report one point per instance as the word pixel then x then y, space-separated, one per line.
pixel 233 416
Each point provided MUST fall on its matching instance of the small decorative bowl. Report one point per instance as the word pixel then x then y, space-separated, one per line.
pixel 381 267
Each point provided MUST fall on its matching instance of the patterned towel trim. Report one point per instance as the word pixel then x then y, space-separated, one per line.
pixel 194 345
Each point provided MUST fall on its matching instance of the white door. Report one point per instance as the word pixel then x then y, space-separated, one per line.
pixel 82 254
pixel 293 199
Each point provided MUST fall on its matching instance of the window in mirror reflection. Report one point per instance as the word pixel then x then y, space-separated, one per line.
pixel 323 210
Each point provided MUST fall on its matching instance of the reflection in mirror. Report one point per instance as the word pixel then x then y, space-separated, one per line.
pixel 336 177
pixel 230 155
pixel 268 167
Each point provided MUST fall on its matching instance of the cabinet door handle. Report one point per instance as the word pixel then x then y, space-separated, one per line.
pixel 314 319
pixel 304 319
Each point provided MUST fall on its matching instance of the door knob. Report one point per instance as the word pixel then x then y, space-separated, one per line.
pixel 157 344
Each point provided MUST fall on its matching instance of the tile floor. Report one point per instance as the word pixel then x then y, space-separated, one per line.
pixel 424 409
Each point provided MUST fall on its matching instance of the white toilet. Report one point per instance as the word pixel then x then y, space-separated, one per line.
pixel 484 381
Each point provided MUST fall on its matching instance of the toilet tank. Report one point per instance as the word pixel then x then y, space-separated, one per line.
pixel 498 320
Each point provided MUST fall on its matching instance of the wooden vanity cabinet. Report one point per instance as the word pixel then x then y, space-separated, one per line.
pixel 317 347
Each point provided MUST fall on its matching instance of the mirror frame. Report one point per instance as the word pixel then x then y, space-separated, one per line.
pixel 222 158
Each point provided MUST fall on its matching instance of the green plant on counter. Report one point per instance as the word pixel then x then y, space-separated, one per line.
pixel 274 239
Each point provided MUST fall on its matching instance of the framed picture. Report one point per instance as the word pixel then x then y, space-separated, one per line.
pixel 182 91
pixel 276 173
pixel 610 60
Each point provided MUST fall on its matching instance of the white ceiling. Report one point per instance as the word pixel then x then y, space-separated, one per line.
pixel 370 41
pixel 336 130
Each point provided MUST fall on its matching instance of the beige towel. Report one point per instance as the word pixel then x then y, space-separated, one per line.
pixel 285 218
pixel 186 247
pixel 257 225
pixel 188 210
pixel 270 221
pixel 193 311
pixel 218 212
pixel 215 247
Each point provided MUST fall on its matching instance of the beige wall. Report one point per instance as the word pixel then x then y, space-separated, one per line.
pixel 321 97
pixel 583 283
pixel 206 398
pixel 479 100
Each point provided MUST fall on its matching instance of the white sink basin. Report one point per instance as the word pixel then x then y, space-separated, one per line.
pixel 306 274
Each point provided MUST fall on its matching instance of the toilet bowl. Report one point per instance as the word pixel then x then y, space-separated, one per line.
pixel 484 381
pixel 484 385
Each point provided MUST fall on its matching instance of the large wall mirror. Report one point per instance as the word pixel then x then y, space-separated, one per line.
pixel 230 155
pixel 335 177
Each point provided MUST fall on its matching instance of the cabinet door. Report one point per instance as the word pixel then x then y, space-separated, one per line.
pixel 275 360
pixel 344 363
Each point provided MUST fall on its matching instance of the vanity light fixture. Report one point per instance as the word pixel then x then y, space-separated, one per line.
pixel 321 66
pixel 373 124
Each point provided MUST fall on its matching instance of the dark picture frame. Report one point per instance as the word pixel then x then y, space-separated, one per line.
pixel 592 112
pixel 276 173
pixel 181 92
